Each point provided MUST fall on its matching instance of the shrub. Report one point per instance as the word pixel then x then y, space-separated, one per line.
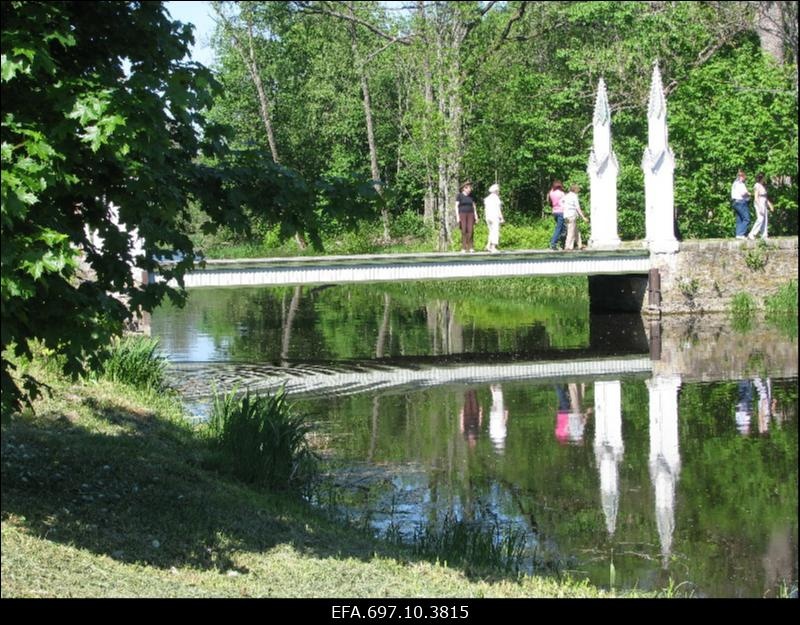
pixel 262 442
pixel 527 237
pixel 408 224
pixel 757 257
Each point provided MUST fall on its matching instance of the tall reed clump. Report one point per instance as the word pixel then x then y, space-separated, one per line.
pixel 261 441
pixel 133 360
pixel 457 541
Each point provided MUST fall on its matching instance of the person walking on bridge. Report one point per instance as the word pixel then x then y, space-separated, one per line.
pixel 555 196
pixel 763 206
pixel 572 209
pixel 467 215
pixel 492 211
pixel 740 200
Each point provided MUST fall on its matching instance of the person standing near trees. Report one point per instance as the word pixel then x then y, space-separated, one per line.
pixel 762 206
pixel 492 206
pixel 555 196
pixel 572 209
pixel 740 200
pixel 467 215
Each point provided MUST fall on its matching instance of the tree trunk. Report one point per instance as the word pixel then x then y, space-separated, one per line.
pixel 429 205
pixel 445 209
pixel 373 150
pixel 250 62
pixel 249 58
pixel 769 26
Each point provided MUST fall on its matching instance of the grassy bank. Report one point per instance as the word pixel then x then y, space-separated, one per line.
pixel 108 493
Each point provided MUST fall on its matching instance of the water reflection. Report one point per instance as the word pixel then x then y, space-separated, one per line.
pixel 608 447
pixel 766 405
pixel 571 417
pixel 744 407
pixel 665 459
pixel 471 417
pixel 498 419
pixel 440 410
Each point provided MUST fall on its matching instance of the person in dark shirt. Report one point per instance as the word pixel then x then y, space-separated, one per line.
pixel 467 214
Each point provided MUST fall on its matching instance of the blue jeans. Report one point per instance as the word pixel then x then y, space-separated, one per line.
pixel 559 217
pixel 741 210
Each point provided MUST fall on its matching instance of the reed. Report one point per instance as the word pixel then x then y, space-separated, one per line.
pixel 261 441
pixel 133 360
pixel 472 544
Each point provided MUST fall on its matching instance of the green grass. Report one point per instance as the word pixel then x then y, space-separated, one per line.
pixel 784 302
pixel 408 234
pixel 781 309
pixel 742 311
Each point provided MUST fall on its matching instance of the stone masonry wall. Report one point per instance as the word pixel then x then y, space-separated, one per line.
pixel 705 275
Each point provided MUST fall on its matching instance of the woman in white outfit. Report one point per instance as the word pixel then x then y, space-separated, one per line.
pixel 494 216
pixel 572 210
pixel 763 206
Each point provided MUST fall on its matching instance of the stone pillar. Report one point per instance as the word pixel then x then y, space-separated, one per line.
pixel 602 170
pixel 608 447
pixel 658 164
pixel 665 460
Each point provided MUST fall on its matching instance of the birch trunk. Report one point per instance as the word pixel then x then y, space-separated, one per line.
pixel 373 149
pixel 769 26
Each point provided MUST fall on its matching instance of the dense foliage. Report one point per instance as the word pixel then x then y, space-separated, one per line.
pixel 101 110
pixel 505 92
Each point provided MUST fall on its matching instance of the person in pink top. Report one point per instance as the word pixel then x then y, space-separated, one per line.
pixel 554 196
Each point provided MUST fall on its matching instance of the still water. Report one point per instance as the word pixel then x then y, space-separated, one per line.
pixel 636 454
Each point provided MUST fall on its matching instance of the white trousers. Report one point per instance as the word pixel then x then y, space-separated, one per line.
pixel 494 233
pixel 573 234
pixel 761 222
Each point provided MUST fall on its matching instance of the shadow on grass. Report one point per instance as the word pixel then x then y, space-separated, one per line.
pixel 145 495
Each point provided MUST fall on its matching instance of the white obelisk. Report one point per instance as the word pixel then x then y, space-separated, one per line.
pixel 602 170
pixel 658 164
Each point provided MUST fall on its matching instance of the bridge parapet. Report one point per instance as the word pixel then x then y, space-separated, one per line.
pixel 436 266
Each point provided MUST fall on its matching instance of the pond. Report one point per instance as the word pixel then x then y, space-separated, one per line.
pixel 635 454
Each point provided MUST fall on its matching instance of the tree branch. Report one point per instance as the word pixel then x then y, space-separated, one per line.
pixel 516 17
pixel 307 7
